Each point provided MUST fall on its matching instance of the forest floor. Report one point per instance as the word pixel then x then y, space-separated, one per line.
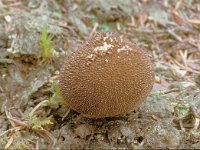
pixel 36 36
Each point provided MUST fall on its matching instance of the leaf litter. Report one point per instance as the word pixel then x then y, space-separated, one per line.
pixel 35 116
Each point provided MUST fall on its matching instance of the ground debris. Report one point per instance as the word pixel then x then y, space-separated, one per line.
pixel 163 135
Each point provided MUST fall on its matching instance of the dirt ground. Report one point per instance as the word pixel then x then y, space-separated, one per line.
pixel 32 112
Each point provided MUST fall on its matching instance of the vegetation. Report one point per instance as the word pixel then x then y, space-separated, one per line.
pixel 56 97
pixel 47 46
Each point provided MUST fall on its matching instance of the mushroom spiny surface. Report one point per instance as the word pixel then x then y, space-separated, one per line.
pixel 107 76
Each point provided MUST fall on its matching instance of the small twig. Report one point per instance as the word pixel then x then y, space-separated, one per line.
pixel 21 123
pixel 194 21
pixel 50 136
pixel 66 114
pixel 94 29
pixel 37 106
pixel 198 44
pixel 37 145
pixel 184 57
pixel 196 124
pixel 178 38
pixel 9 142
pixel 155 117
pixel 10 130
pixel 181 125
pixel 178 4
pixel 8 115
pixel 185 68
pixel 118 26
pixel 179 94
pixel 171 91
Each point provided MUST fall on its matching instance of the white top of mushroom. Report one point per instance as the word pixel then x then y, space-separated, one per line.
pixel 105 47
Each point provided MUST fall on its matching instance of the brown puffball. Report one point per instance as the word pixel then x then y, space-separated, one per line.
pixel 107 76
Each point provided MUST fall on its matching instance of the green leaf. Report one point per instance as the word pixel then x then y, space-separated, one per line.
pixel 37 123
pixel 57 96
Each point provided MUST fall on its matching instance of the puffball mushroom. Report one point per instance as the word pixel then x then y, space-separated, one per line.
pixel 107 76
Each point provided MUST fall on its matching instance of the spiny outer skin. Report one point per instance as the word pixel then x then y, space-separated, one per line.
pixel 107 76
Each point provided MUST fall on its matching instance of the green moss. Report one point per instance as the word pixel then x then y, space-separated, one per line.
pixel 46 45
pixel 36 122
pixel 57 96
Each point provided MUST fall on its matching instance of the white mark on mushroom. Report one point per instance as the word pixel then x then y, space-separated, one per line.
pixel 103 48
pixel 124 48
pixel 91 57
pixel 109 52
